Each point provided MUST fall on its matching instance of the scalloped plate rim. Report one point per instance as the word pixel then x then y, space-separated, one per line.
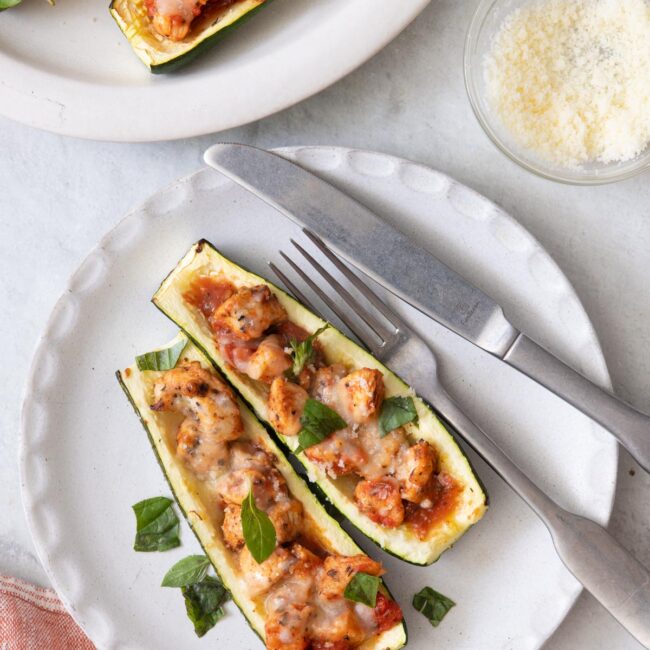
pixel 134 214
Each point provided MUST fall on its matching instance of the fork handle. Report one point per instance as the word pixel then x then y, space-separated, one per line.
pixel 612 575
pixel 630 427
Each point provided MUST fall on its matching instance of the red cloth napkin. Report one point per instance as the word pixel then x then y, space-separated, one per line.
pixel 33 618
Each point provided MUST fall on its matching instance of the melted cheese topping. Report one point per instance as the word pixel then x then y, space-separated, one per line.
pixel 182 8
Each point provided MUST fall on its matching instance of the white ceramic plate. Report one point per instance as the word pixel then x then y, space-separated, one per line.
pixel 85 459
pixel 70 70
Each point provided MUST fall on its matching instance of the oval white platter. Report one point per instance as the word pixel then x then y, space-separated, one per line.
pixel 69 69
pixel 85 459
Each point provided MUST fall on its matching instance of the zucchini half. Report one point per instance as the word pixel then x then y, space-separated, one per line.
pixel 161 428
pixel 471 502
pixel 161 54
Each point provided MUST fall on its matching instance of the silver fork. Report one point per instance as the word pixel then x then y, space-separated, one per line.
pixel 619 581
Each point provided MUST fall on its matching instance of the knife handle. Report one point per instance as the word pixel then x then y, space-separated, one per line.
pixel 612 575
pixel 609 572
pixel 630 427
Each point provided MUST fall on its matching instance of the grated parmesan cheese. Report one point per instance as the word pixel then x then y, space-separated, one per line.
pixel 571 79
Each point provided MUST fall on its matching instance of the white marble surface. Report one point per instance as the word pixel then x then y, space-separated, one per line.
pixel 59 195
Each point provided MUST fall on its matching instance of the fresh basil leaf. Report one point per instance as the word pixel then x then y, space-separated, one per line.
pixel 306 439
pixel 432 604
pixel 363 589
pixel 396 411
pixel 157 525
pixel 303 351
pixel 203 602
pixel 164 359
pixel 7 4
pixel 187 571
pixel 320 420
pixel 259 533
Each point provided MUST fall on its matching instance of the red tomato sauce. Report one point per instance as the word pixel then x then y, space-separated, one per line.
pixel 288 330
pixel 208 293
pixel 445 492
pixel 387 613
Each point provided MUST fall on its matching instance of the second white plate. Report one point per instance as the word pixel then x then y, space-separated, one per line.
pixel 70 70
pixel 85 459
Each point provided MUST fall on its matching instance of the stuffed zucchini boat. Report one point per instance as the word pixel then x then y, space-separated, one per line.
pixel 217 457
pixel 167 34
pixel 379 453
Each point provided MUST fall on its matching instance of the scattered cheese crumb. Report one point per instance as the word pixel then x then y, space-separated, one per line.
pixel 571 79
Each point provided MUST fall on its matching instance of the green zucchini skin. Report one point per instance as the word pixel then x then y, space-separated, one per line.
pixel 194 49
pixel 168 299
pixel 392 639
pixel 144 424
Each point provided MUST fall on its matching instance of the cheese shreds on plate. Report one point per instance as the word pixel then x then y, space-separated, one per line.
pixel 570 79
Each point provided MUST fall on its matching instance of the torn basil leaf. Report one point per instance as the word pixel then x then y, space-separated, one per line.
pixel 164 359
pixel 187 571
pixel 306 439
pixel 363 589
pixel 318 422
pixel 203 601
pixel 303 351
pixel 432 604
pixel 259 533
pixel 395 412
pixel 7 4
pixel 157 525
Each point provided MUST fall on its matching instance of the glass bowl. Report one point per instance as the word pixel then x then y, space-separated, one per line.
pixel 487 20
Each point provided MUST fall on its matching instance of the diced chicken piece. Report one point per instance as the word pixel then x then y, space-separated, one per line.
pixel 383 453
pixel 286 629
pixel 306 561
pixel 286 403
pixel 287 611
pixel 335 625
pixel 362 392
pixel 339 454
pixel 236 351
pixel 246 455
pixel 380 500
pixel 286 517
pixel 414 471
pixel 211 413
pixel 261 577
pixel 267 486
pixel 338 570
pixel 201 396
pixel 202 453
pixel 250 312
pixel 232 528
pixel 325 382
pixel 269 360
pixel 173 20
pixel 175 27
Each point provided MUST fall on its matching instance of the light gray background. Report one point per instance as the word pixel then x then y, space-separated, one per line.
pixel 58 196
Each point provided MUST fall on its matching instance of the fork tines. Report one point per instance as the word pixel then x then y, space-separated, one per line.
pixel 384 333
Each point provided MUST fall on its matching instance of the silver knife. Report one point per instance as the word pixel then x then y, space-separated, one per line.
pixel 396 262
